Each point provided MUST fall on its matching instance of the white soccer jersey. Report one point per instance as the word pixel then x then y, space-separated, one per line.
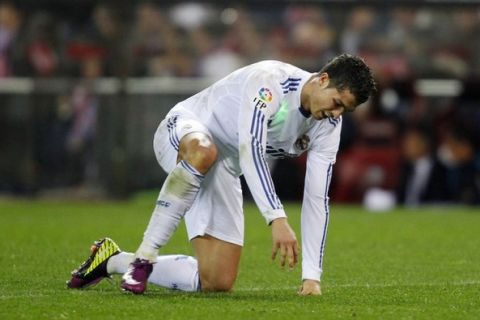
pixel 255 112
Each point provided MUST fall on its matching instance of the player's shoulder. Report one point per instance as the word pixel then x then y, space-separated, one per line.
pixel 273 68
pixel 274 75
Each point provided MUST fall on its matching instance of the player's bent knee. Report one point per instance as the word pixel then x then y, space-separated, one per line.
pixel 198 150
pixel 223 284
pixel 216 281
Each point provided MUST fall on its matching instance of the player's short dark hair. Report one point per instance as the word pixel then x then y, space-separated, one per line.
pixel 351 72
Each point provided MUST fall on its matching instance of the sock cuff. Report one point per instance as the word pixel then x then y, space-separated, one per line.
pixel 190 169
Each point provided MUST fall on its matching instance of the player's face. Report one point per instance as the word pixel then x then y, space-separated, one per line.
pixel 326 102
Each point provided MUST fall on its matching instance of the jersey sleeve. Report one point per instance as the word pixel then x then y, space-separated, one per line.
pixel 260 101
pixel 315 206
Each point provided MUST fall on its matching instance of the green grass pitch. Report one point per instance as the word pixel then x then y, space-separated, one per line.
pixel 407 264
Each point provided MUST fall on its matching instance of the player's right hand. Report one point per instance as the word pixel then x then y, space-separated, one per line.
pixel 310 288
pixel 284 240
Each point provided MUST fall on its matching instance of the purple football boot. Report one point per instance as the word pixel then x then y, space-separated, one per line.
pixel 94 269
pixel 136 277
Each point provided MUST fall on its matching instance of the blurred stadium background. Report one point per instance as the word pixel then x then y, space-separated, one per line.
pixel 84 84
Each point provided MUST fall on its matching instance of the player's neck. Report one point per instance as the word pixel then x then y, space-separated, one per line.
pixel 305 97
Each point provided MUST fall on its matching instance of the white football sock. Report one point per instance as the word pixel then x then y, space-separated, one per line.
pixel 171 271
pixel 176 197
pixel 119 262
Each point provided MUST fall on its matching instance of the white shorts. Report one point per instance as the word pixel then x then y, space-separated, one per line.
pixel 217 209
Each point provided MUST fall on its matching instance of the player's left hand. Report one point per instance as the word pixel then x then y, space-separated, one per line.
pixel 310 288
pixel 284 240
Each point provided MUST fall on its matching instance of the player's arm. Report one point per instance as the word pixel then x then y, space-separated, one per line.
pixel 315 208
pixel 260 102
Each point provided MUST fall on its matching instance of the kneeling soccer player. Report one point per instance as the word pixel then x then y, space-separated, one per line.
pixel 208 141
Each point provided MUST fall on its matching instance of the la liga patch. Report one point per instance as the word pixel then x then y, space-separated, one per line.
pixel 265 94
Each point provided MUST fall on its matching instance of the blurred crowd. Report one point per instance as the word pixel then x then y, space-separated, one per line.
pixel 424 149
pixel 148 38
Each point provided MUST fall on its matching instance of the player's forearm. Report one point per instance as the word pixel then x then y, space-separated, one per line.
pixel 314 234
pixel 315 214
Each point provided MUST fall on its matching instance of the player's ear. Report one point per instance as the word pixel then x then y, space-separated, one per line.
pixel 323 79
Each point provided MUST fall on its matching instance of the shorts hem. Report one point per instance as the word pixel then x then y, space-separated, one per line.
pixel 218 235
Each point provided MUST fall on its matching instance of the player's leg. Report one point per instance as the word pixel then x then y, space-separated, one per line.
pixel 217 263
pixel 178 272
pixel 215 227
pixel 195 154
pixel 216 270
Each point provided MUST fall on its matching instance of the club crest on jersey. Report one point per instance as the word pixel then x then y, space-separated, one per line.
pixel 302 142
pixel 264 96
